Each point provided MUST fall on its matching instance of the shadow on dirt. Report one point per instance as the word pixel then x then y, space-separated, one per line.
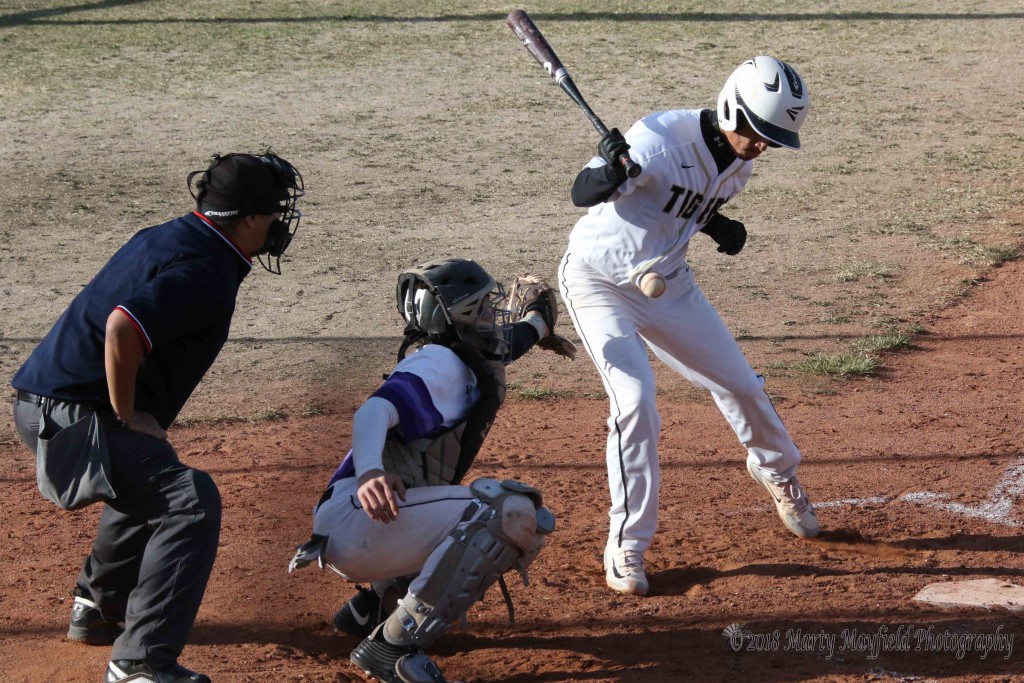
pixel 781 650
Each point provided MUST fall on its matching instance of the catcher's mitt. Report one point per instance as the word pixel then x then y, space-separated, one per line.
pixel 531 293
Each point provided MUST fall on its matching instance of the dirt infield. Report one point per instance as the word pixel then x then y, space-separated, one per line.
pixel 900 217
pixel 918 476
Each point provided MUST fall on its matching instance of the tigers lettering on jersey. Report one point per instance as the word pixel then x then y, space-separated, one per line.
pixel 689 201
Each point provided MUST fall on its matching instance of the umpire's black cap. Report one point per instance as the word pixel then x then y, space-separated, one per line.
pixel 238 185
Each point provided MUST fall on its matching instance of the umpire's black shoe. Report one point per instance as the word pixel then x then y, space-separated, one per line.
pixel 360 615
pixel 88 625
pixel 394 663
pixel 140 671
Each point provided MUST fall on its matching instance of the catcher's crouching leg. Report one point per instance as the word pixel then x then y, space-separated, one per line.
pixel 504 530
pixel 369 606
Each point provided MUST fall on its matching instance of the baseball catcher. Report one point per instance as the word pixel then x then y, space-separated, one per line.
pixel 395 514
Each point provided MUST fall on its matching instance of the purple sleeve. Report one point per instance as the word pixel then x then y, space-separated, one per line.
pixel 417 415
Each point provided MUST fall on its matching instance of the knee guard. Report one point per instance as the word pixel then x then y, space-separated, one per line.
pixel 489 490
pixel 505 530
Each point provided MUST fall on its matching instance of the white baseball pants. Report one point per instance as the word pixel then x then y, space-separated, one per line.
pixel 361 549
pixel 685 332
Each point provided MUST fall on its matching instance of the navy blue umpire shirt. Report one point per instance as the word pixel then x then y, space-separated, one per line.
pixel 177 283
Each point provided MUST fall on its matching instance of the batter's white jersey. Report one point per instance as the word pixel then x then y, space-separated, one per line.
pixel 648 223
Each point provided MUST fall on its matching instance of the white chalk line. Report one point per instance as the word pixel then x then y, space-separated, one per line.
pixel 998 508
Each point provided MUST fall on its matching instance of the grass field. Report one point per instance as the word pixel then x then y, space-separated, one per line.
pixel 425 128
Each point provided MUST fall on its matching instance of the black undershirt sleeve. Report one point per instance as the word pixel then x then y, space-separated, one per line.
pixel 595 185
pixel 524 336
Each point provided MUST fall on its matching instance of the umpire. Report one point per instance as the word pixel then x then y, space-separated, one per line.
pixel 96 396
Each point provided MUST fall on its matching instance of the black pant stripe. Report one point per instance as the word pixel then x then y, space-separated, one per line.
pixel 615 402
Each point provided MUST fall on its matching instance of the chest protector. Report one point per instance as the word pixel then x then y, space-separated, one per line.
pixel 444 458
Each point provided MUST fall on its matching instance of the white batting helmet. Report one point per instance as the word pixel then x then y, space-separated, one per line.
pixel 772 97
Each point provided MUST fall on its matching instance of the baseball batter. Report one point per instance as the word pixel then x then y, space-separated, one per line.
pixel 694 162
pixel 393 514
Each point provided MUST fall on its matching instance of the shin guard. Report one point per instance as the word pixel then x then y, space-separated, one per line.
pixel 505 530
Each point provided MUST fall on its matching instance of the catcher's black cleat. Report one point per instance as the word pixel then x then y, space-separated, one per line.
pixel 88 625
pixel 140 671
pixel 418 669
pixel 360 615
pixel 394 663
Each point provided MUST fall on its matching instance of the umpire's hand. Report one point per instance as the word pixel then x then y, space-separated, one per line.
pixel 144 423
pixel 377 494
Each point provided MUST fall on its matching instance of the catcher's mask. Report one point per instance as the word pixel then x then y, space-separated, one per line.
pixel 455 299
pixel 770 95
pixel 238 185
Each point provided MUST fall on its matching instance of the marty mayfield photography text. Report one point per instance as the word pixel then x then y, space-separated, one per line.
pixel 907 638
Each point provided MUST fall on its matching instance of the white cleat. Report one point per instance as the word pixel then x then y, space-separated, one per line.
pixel 791 503
pixel 624 571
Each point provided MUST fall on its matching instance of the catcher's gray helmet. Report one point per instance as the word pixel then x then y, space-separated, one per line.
pixel 771 96
pixel 455 298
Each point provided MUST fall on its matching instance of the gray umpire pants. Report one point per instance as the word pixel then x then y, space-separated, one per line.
pixel 157 538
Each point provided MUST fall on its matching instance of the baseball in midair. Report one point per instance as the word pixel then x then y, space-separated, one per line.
pixel 652 284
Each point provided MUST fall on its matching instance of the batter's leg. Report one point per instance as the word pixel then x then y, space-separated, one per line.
pixel 687 334
pixel 604 316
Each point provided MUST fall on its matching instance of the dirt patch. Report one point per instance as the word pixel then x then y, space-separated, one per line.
pixel 918 476
pixel 893 219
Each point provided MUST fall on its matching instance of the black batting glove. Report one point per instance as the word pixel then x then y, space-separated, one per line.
pixel 612 148
pixel 729 235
